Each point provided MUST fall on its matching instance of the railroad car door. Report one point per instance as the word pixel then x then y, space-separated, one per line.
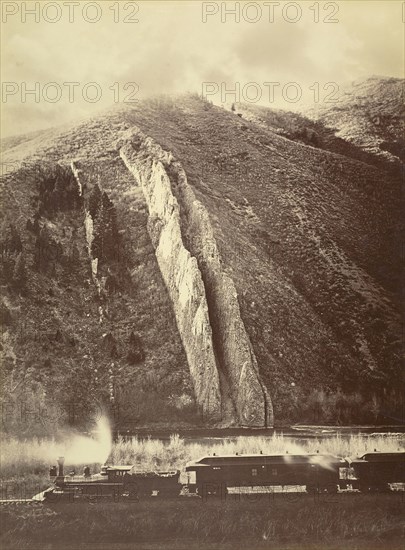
pixel 274 473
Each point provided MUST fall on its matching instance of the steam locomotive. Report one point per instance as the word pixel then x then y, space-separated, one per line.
pixel 214 475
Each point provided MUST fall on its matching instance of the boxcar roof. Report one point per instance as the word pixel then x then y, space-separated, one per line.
pixel 262 458
pixel 383 457
pixel 118 468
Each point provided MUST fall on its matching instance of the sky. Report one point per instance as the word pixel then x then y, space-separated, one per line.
pixel 81 57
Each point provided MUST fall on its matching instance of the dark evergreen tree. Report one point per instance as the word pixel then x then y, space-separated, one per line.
pixel 47 251
pixel 94 201
pixel 36 226
pixel 74 255
pixel 10 240
pixel 105 231
pixel 20 273
pixel 57 189
pixel 29 226
pixel 5 315
pixel 111 240
pixel 135 353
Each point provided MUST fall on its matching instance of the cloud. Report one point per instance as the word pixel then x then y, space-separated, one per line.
pixel 171 50
pixel 279 50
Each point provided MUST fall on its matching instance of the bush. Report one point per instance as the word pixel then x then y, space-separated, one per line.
pixel 5 315
pixel 47 252
pixel 336 407
pixel 10 243
pixel 57 189
pixel 19 280
pixel 106 239
pixel 135 353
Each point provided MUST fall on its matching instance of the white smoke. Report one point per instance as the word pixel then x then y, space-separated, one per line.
pixel 23 455
pixel 87 450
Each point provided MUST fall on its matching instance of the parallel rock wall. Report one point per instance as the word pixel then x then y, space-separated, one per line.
pixel 221 359
pixel 89 228
pixel 181 275
pixel 233 347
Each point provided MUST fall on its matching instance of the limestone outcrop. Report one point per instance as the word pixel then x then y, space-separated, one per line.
pixel 181 275
pixel 220 356
pixel 236 359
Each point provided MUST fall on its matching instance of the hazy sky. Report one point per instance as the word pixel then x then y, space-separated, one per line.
pixel 170 49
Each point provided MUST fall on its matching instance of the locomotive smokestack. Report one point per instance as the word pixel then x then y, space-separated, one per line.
pixel 61 461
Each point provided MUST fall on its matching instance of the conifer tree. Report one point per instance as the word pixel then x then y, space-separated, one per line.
pixel 20 273
pixel 105 241
pixel 94 201
pixel 10 239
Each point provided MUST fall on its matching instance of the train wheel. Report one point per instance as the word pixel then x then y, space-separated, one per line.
pixel 330 489
pixel 212 490
pixel 133 496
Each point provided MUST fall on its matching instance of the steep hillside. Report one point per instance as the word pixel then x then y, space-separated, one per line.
pixel 180 265
pixel 304 130
pixel 370 113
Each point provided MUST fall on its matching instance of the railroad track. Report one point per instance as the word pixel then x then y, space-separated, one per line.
pixel 233 492
pixel 18 501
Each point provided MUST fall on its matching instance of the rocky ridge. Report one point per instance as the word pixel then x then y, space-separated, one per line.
pixel 221 358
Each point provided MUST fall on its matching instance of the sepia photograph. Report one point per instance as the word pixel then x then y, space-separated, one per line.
pixel 202 275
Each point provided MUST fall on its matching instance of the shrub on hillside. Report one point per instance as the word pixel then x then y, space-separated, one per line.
pixel 19 280
pixel 10 242
pixel 339 408
pixel 106 238
pixel 135 353
pixel 12 262
pixel 47 251
pixel 5 315
pixel 56 187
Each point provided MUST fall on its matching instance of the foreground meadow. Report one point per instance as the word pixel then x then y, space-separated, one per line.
pixel 247 523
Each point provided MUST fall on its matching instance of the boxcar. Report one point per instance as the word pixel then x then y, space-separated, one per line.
pixel 375 471
pixel 214 474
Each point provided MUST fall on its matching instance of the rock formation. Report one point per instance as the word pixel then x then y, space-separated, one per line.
pixel 221 359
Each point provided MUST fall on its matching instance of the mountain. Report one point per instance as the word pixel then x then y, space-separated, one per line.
pixel 369 113
pixel 179 265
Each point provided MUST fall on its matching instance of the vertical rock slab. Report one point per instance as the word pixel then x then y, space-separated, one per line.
pixel 221 358
pixel 234 350
pixel 181 275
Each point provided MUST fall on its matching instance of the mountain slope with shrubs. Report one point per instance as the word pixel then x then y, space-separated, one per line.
pixel 369 113
pixel 309 236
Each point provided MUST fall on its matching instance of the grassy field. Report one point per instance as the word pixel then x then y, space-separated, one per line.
pixel 154 452
pixel 35 455
pixel 341 521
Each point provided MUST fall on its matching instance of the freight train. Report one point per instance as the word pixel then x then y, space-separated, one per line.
pixel 214 475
